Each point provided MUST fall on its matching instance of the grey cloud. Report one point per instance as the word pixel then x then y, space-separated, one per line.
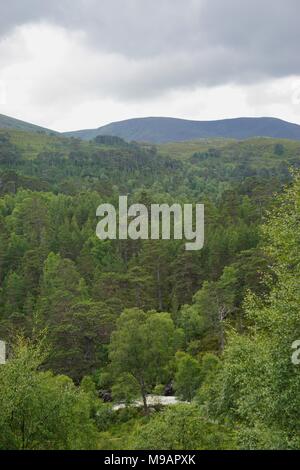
pixel 176 43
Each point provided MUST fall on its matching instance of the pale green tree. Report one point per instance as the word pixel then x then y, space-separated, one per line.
pixel 142 345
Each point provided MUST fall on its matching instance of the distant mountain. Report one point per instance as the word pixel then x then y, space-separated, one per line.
pixel 164 129
pixel 7 122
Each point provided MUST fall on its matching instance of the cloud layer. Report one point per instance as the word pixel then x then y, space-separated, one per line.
pixel 113 59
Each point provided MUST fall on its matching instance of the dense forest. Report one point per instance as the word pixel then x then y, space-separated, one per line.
pixel 91 323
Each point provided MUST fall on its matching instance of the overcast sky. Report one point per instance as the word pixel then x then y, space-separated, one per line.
pixel 73 64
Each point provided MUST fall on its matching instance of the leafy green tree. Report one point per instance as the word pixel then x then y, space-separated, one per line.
pixel 80 340
pixel 258 383
pixel 40 410
pixel 125 389
pixel 142 345
pixel 187 377
pixel 14 293
pixel 182 427
pixel 213 303
pixel 61 287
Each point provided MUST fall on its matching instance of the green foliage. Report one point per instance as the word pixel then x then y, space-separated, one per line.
pixel 40 410
pixel 125 389
pixel 142 346
pixel 258 384
pixel 213 303
pixel 117 311
pixel 187 377
pixel 182 427
pixel 159 389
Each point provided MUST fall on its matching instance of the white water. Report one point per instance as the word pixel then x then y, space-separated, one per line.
pixel 152 400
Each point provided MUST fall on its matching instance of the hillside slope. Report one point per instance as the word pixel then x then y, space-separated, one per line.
pixel 164 129
pixel 7 122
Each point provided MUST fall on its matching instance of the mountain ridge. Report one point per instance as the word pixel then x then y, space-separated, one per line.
pixel 165 129
pixel 158 130
pixel 7 122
